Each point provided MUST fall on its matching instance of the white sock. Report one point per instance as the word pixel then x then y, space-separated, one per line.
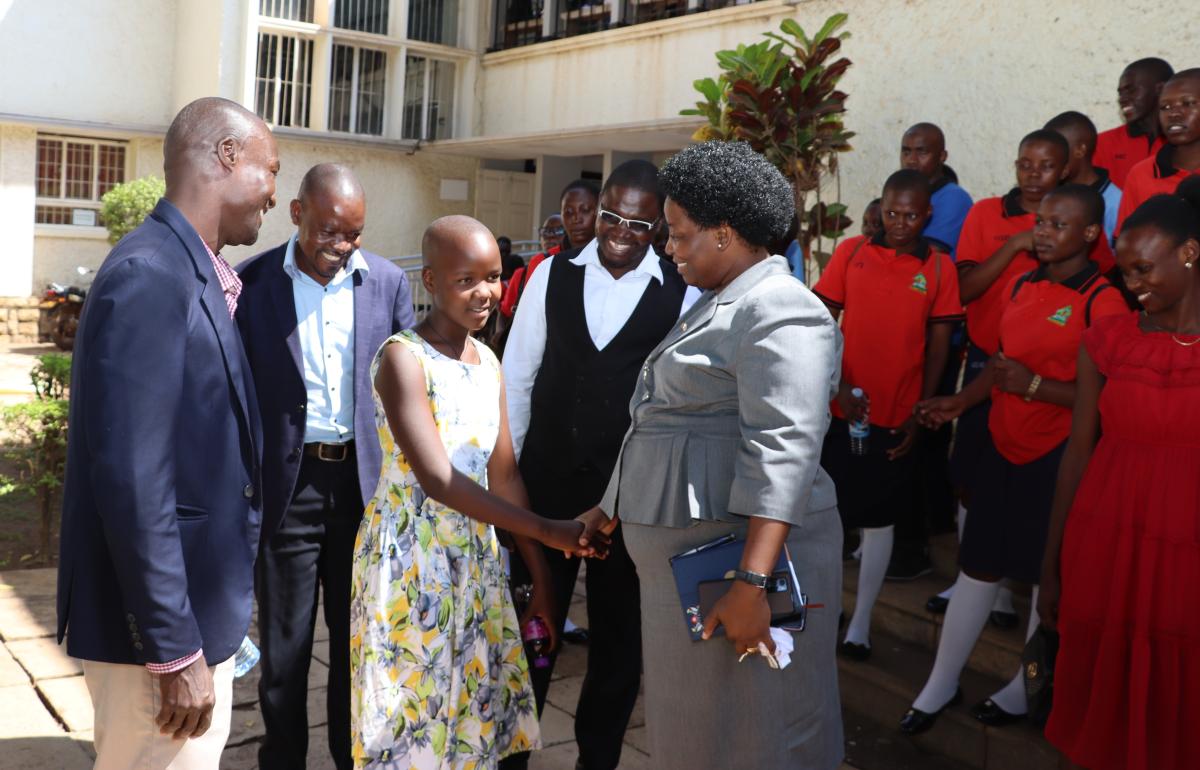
pixel 857 553
pixel 876 553
pixel 965 616
pixel 962 522
pixel 1003 602
pixel 1011 697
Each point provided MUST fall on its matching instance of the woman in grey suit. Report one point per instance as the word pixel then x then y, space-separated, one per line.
pixel 728 420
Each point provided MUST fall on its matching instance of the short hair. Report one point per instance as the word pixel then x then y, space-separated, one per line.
pixel 1192 73
pixel 729 183
pixel 933 128
pixel 638 175
pixel 1084 195
pixel 1176 215
pixel 586 185
pixel 504 240
pixel 907 180
pixel 874 202
pixel 1050 137
pixel 1156 68
pixel 1074 121
pixel 330 177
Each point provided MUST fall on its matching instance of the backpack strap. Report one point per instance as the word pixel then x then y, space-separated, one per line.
pixel 1025 277
pixel 1087 306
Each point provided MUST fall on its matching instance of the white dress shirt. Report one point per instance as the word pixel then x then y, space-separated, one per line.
pixel 325 325
pixel 607 304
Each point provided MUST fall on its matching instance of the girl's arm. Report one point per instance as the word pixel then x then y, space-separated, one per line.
pixel 1085 432
pixel 400 382
pixel 504 480
pixel 975 279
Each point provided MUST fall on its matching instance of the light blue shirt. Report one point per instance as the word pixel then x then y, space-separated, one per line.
pixel 1112 201
pixel 325 325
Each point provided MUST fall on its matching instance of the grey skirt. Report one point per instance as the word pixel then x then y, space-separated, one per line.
pixel 703 708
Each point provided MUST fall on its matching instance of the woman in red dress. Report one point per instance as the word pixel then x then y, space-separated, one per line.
pixel 1124 545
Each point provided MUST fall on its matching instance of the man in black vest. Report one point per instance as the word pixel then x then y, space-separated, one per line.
pixel 588 319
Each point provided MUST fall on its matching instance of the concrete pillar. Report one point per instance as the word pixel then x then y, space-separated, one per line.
pixel 18 170
pixel 614 158
pixel 553 174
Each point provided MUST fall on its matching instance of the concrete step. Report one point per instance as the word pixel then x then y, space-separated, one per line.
pixel 883 688
pixel 900 612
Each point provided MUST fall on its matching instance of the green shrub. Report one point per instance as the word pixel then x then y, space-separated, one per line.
pixel 125 206
pixel 51 376
pixel 38 434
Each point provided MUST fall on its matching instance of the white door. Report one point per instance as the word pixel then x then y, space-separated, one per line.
pixel 504 202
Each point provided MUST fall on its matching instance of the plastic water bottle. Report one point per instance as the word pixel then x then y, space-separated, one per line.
pixel 859 429
pixel 245 658
pixel 537 641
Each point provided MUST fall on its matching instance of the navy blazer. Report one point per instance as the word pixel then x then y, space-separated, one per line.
pixel 266 317
pixel 161 506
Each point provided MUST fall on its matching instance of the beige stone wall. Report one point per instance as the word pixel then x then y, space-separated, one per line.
pixel 986 72
pixel 19 318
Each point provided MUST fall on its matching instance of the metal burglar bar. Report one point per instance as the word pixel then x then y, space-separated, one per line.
pixel 414 97
pixel 639 11
pixel 440 121
pixel 283 81
pixel 295 10
pixel 74 173
pixel 433 21
pixel 361 15
pixel 357 89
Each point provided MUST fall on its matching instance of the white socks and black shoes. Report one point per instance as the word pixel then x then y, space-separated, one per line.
pixel 1008 705
pixel 876 553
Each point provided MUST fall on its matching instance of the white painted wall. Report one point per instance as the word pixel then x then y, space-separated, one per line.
pixel 987 73
pixel 104 61
pixel 18 155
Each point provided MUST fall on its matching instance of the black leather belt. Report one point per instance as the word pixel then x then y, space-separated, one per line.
pixel 330 453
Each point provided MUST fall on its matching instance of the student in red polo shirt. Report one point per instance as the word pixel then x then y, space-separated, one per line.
pixel 1179 158
pixel 1031 384
pixel 898 299
pixel 1119 149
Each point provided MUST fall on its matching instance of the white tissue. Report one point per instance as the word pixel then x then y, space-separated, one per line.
pixel 783 648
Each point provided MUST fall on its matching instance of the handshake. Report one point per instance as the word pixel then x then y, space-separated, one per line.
pixel 588 535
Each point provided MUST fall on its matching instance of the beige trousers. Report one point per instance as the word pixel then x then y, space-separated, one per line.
pixel 126 698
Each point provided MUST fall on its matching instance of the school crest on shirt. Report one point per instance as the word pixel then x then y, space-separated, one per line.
pixel 919 285
pixel 1061 316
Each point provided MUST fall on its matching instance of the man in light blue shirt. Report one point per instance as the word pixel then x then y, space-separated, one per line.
pixel 313 312
pixel 1080 133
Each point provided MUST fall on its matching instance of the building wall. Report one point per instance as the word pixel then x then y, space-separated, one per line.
pixel 18 155
pixel 987 73
pixel 103 61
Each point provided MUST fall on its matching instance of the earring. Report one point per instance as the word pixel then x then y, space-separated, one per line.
pixel 1188 265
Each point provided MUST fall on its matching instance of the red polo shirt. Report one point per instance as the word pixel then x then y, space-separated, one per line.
pixel 1119 150
pixel 989 224
pixel 1153 176
pixel 1041 324
pixel 887 302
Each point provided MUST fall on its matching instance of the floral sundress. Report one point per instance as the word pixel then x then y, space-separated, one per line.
pixel 439 678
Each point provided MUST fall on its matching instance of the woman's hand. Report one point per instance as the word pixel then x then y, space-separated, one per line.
pixel 1011 376
pixel 853 407
pixel 597 533
pixel 542 605
pixel 909 429
pixel 935 412
pixel 744 613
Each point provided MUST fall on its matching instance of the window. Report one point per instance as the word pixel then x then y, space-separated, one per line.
pixel 357 88
pixel 428 98
pixel 362 15
pixel 72 174
pixel 294 10
pixel 283 80
pixel 433 21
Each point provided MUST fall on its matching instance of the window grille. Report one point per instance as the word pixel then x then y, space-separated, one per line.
pixel 293 10
pixel 361 15
pixel 283 80
pixel 433 21
pixel 73 173
pixel 357 89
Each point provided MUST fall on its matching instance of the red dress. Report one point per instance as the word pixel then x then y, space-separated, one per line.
pixel 1127 685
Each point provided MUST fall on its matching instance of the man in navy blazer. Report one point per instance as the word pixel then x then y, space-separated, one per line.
pixel 317 309
pixel 162 502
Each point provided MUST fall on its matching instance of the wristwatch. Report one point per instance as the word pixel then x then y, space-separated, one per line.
pixel 756 579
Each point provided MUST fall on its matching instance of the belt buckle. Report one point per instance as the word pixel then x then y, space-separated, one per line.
pixel 338 456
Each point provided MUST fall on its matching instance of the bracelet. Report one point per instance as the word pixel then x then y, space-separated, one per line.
pixel 1034 384
pixel 756 579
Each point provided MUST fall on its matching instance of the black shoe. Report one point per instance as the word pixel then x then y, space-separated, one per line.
pixel 859 652
pixel 576 636
pixel 915 721
pixel 994 716
pixel 1003 620
pixel 937 604
pixel 908 566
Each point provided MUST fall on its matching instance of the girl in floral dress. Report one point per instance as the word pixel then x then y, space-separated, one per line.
pixel 439 675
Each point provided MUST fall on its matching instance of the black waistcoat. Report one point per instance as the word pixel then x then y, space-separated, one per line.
pixel 579 407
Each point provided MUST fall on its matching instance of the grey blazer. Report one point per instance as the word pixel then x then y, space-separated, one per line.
pixel 731 409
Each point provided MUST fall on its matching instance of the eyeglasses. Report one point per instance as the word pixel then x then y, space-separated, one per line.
pixel 633 225
pixel 551 231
